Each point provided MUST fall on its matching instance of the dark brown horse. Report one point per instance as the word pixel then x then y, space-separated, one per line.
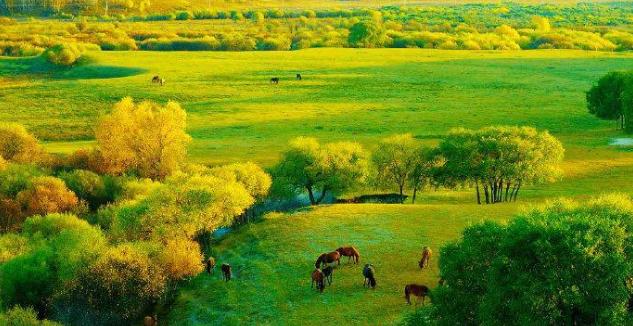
pixel 210 265
pixel 350 252
pixel 426 256
pixel 319 278
pixel 274 80
pixel 329 258
pixel 370 276
pixel 327 272
pixel 158 80
pixel 420 291
pixel 226 272
pixel 299 77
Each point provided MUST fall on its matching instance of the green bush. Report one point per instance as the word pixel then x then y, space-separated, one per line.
pixel 64 54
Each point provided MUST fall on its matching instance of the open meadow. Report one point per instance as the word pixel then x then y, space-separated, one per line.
pixel 235 114
pixel 199 162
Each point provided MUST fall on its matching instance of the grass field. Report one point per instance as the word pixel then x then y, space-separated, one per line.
pixel 235 115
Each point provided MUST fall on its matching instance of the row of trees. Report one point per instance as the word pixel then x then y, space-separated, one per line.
pixel 567 263
pixel 611 98
pixel 102 237
pixel 497 161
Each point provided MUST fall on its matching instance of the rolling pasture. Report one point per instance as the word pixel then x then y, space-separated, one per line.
pixel 235 114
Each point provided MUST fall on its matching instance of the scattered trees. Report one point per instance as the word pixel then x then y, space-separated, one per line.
pixel 565 263
pixel 319 170
pixel 145 138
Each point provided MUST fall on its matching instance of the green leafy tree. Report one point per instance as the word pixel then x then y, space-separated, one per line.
pixel 319 170
pixel 365 34
pixel 604 100
pixel 395 159
pixel 567 263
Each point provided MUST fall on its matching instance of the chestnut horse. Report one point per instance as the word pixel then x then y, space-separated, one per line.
pixel 350 252
pixel 420 291
pixel 426 256
pixel 324 258
pixel 370 277
pixel 226 272
pixel 319 278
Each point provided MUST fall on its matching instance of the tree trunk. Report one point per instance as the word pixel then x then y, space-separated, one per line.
pixel 311 195
pixel 401 189
pixel 516 193
pixel 478 194
pixel 322 195
pixel 486 193
pixel 415 193
pixel 507 191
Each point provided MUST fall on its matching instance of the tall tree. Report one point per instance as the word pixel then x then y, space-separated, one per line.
pixel 395 159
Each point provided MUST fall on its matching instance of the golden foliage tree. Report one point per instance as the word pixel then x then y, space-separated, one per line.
pixel 18 145
pixel 145 138
pixel 46 195
pixel 181 258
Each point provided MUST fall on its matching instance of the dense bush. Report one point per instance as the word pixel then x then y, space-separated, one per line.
pixel 65 54
pixel 17 145
pixel 46 195
pixel 566 263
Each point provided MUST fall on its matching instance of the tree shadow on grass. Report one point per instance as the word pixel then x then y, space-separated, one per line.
pixel 86 69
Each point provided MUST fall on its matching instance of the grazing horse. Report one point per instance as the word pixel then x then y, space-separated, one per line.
pixel 150 320
pixel 299 77
pixel 327 272
pixel 420 291
pixel 210 265
pixel 370 277
pixel 426 256
pixel 158 80
pixel 274 80
pixel 350 252
pixel 324 258
pixel 319 278
pixel 226 272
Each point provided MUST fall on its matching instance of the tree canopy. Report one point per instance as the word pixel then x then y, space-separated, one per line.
pixel 562 264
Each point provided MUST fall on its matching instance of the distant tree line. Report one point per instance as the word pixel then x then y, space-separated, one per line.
pixel 495 161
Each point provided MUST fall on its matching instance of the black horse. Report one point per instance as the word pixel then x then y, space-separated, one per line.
pixel 370 277
pixel 299 77
pixel 327 272
pixel 274 80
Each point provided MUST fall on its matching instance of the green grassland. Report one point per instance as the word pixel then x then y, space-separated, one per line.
pixel 235 114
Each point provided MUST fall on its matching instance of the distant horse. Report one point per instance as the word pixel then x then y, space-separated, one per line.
pixel 441 281
pixel 327 272
pixel 319 278
pixel 150 320
pixel 210 265
pixel 274 80
pixel 350 252
pixel 299 77
pixel 426 256
pixel 420 291
pixel 324 258
pixel 370 276
pixel 158 80
pixel 226 272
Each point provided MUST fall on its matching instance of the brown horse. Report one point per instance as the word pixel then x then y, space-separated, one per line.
pixel 426 256
pixel 210 265
pixel 298 77
pixel 420 291
pixel 350 252
pixel 319 278
pixel 327 272
pixel 226 272
pixel 331 257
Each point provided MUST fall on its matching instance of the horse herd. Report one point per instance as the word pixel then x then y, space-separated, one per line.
pixel 324 268
pixel 275 80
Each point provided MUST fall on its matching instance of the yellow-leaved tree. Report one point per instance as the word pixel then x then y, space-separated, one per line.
pixel 145 138
pixel 18 145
